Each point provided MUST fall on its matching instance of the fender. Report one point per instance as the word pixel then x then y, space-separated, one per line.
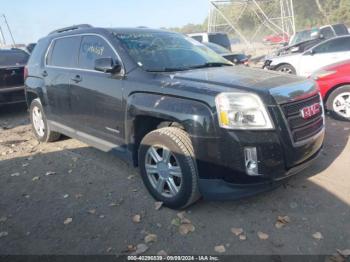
pixel 196 117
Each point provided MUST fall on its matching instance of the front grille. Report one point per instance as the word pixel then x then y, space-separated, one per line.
pixel 300 128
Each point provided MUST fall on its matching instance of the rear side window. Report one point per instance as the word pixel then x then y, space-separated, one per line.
pixel 64 52
pixel 36 58
pixel 92 48
pixel 13 58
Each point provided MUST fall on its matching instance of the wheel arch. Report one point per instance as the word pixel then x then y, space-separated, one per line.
pixel 147 112
pixel 283 63
pixel 331 90
pixel 34 89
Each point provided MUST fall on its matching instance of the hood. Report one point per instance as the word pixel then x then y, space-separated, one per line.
pixel 243 79
pixel 238 77
pixel 337 66
pixel 285 58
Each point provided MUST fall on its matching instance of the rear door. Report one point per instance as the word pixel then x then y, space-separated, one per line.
pixel 97 96
pixel 327 53
pixel 61 59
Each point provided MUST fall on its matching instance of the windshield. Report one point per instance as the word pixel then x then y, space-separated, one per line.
pixel 303 36
pixel 163 51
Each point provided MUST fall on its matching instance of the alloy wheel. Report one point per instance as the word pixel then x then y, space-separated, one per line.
pixel 286 70
pixel 38 121
pixel 341 104
pixel 163 171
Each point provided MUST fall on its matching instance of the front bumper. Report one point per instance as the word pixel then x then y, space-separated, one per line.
pixel 12 95
pixel 219 189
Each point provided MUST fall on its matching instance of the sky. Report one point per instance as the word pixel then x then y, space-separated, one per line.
pixel 32 19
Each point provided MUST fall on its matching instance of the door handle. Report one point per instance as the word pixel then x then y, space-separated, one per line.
pixel 77 79
pixel 44 73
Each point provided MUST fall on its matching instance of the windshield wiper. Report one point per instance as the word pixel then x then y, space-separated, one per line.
pixel 211 64
pixel 168 69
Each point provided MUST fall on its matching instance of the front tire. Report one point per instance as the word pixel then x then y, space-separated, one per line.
pixel 286 68
pixel 39 123
pixel 168 167
pixel 338 103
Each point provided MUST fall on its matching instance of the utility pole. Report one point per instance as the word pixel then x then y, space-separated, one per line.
pixel 9 29
pixel 3 40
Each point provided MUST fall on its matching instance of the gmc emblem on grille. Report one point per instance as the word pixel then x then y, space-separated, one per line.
pixel 310 111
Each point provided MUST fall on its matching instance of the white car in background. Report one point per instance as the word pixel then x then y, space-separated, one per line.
pixel 304 64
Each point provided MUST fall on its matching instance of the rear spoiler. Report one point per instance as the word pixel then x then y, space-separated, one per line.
pixel 71 28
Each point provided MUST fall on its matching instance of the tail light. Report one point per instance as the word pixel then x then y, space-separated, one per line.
pixel 25 73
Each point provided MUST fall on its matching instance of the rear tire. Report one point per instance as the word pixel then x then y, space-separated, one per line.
pixel 39 123
pixel 338 103
pixel 168 167
pixel 286 68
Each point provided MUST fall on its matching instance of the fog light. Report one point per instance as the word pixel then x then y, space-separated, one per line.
pixel 251 161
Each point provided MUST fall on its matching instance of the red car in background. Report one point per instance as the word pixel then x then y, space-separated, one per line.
pixel 277 39
pixel 334 84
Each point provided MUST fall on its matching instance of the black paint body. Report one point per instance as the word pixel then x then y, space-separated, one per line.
pixel 105 110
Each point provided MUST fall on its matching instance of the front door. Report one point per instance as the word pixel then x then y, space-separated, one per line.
pixel 327 53
pixel 96 96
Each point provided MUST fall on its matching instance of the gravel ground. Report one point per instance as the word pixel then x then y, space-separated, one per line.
pixel 69 198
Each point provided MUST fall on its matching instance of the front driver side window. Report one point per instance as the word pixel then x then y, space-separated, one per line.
pixel 93 47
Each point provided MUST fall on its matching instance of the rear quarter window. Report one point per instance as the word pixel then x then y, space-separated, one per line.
pixel 38 53
pixel 64 52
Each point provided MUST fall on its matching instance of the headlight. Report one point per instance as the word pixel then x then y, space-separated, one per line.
pixel 242 111
pixel 322 74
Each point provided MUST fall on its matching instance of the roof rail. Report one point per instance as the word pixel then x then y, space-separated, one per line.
pixel 70 28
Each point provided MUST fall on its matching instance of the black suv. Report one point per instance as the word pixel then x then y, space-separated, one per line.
pixel 193 123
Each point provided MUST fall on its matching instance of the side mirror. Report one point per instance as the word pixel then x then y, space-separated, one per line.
pixel 107 65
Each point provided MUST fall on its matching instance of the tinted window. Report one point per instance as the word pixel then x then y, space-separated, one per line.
pixel 335 45
pixel 327 32
pixel 199 38
pixel 220 39
pixel 65 52
pixel 13 57
pixel 36 58
pixel 92 48
pixel 340 29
